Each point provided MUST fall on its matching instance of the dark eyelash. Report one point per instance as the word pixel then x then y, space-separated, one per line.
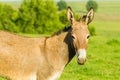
pixel 73 37
pixel 88 36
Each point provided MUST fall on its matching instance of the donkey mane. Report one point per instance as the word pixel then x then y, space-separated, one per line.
pixel 65 29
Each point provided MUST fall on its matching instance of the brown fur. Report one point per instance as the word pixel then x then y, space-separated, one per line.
pixel 22 58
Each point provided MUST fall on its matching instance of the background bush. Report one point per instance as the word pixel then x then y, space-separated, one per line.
pixel 37 16
pixel 61 5
pixel 8 17
pixel 33 16
pixel 92 4
pixel 63 18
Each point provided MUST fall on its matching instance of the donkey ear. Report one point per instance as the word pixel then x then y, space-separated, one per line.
pixel 70 15
pixel 89 17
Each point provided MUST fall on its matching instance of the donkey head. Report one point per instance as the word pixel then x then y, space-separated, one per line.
pixel 80 33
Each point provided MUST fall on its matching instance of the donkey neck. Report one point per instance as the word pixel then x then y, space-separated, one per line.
pixel 59 50
pixel 58 53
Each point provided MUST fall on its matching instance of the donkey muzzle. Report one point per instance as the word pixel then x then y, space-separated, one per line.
pixel 81 61
pixel 81 56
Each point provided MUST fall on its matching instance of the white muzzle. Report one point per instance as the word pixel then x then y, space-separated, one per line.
pixel 81 56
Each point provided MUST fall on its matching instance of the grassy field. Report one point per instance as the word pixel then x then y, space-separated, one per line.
pixel 103 55
pixel 102 58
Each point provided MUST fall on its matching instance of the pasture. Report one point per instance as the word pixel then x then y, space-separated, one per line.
pixel 103 54
pixel 103 50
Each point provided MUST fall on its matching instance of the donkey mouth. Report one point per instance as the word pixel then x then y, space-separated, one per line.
pixel 81 63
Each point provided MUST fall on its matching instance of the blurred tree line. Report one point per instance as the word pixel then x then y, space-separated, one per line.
pixel 33 16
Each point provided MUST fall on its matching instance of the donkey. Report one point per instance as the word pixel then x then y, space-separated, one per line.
pixel 44 58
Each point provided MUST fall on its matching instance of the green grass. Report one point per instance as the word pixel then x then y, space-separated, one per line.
pixel 102 57
pixel 2 78
pixel 103 54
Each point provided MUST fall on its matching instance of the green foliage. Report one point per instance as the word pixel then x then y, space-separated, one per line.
pixel 38 16
pixel 33 16
pixel 63 18
pixel 92 4
pixel 7 18
pixel 92 30
pixel 61 5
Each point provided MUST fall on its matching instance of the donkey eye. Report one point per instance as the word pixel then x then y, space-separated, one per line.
pixel 73 37
pixel 88 36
